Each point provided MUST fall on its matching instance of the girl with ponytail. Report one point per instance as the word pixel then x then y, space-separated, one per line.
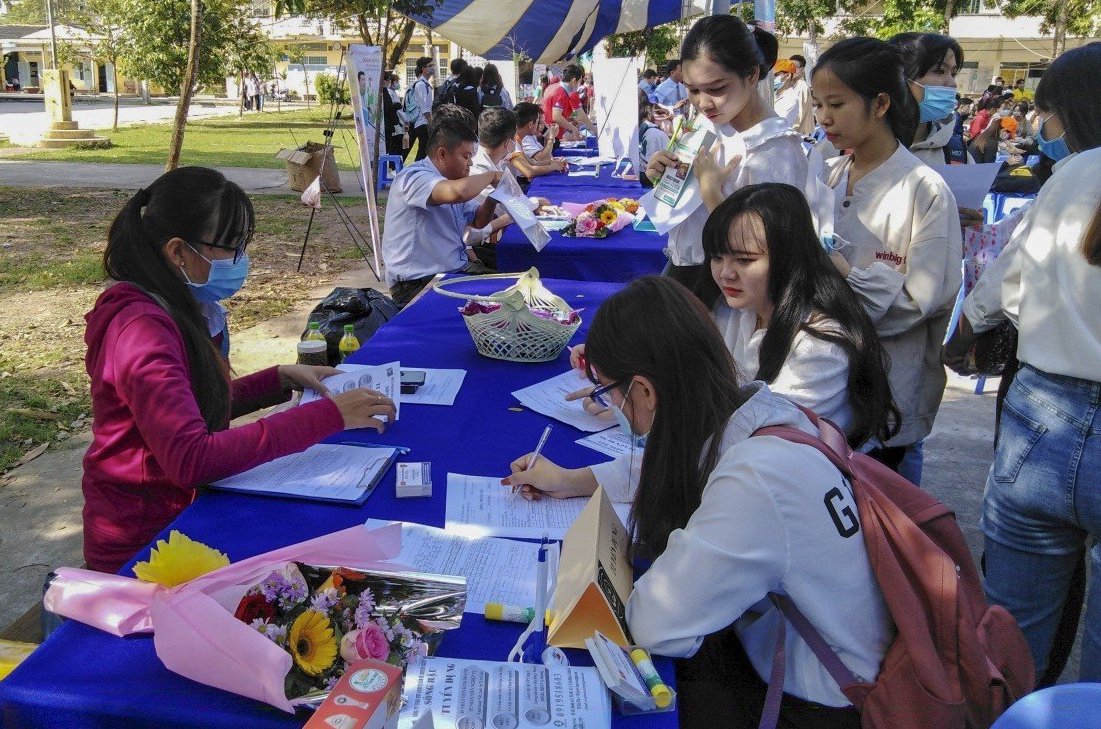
pixel 897 238
pixel 722 61
pixel 162 394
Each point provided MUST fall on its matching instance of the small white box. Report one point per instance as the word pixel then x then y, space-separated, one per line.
pixel 414 479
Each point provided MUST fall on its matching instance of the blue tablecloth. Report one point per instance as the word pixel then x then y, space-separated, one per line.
pixel 621 257
pixel 82 677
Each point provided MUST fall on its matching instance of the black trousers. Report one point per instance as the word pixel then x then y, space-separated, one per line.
pixel 718 687
pixel 420 134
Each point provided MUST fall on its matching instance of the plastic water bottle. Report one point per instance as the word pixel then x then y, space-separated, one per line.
pixel 348 343
pixel 313 333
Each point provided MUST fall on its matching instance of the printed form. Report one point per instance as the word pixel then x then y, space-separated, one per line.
pixel 479 506
pixel 549 398
pixel 496 570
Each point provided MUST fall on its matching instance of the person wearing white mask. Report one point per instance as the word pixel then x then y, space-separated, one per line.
pixel 793 100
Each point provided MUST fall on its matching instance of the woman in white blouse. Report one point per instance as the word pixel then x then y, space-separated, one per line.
pixel 788 317
pixel 727 518
pixel 896 229
pixel 1042 504
pixel 722 61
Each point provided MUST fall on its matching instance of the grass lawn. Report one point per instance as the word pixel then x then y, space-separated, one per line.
pixel 51 272
pixel 228 141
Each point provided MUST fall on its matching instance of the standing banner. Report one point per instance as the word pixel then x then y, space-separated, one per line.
pixel 364 64
pixel 615 86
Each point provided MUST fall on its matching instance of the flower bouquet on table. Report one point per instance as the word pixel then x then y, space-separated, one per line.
pixel 600 218
pixel 280 627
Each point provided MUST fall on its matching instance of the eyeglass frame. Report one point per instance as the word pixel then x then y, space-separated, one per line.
pixel 597 395
pixel 238 250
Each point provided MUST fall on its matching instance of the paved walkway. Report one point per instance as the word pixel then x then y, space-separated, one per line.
pixel 27 173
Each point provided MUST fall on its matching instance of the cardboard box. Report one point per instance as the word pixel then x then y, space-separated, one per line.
pixel 304 164
pixel 367 696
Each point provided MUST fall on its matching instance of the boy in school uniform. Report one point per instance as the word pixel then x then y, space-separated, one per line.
pixel 538 149
pixel 497 148
pixel 431 204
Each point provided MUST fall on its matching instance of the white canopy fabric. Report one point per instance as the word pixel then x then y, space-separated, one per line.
pixel 546 31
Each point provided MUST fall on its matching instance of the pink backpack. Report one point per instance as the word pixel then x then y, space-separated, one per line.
pixel 956 661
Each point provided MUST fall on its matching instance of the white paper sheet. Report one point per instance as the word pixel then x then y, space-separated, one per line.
pixel 969 183
pixel 509 194
pixel 323 471
pixel 611 442
pixel 440 387
pixel 464 693
pixel 479 506
pixel 381 378
pixel 549 398
pixel 496 570
pixel 591 161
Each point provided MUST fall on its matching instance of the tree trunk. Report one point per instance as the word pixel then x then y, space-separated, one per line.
pixel 241 93
pixel 306 82
pixel 186 85
pixel 115 76
pixel 404 36
pixel 949 12
pixel 1060 42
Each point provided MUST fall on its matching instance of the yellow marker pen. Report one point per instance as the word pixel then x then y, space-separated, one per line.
pixel 661 693
pixel 511 613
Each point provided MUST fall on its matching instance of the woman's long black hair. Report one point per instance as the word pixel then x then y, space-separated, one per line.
pixel 732 44
pixel 804 285
pixel 198 205
pixel 871 67
pixel 657 329
pixel 1069 88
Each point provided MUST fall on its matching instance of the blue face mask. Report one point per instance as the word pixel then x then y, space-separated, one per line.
pixel 638 441
pixel 224 280
pixel 1054 149
pixel 939 102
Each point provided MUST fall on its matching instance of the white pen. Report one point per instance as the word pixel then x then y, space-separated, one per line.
pixel 538 449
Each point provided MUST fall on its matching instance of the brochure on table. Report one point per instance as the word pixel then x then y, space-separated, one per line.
pixel 460 694
pixel 381 378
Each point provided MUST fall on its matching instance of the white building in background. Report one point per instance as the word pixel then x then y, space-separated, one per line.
pixel 992 44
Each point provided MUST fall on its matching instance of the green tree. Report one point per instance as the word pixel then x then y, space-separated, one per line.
pixel 33 12
pixel 889 17
pixel 656 43
pixel 103 19
pixel 1080 18
pixel 248 50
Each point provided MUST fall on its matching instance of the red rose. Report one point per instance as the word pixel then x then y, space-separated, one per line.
pixel 253 607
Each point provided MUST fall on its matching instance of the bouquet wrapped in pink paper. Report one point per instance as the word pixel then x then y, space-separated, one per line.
pixel 600 218
pixel 279 627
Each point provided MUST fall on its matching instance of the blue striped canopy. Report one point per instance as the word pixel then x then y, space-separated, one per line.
pixel 543 30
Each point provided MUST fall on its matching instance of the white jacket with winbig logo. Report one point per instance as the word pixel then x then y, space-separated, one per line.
pixel 904 244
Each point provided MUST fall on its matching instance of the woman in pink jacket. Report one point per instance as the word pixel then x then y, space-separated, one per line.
pixel 162 393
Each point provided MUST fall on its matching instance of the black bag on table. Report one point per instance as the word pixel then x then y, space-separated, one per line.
pixel 365 309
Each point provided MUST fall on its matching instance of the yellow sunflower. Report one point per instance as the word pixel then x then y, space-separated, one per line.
pixel 608 217
pixel 179 560
pixel 312 642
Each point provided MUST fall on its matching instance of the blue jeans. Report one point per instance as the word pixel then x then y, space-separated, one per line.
pixel 1042 503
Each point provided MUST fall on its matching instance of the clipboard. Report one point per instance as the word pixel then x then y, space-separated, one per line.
pixel 594 579
pixel 354 473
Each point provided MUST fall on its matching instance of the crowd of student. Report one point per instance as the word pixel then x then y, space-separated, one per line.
pixel 757 314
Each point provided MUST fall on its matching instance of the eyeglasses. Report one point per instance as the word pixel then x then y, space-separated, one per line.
pixel 238 250
pixel 599 392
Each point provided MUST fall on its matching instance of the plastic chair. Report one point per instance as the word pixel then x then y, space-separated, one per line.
pixel 1066 706
pixel 389 165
